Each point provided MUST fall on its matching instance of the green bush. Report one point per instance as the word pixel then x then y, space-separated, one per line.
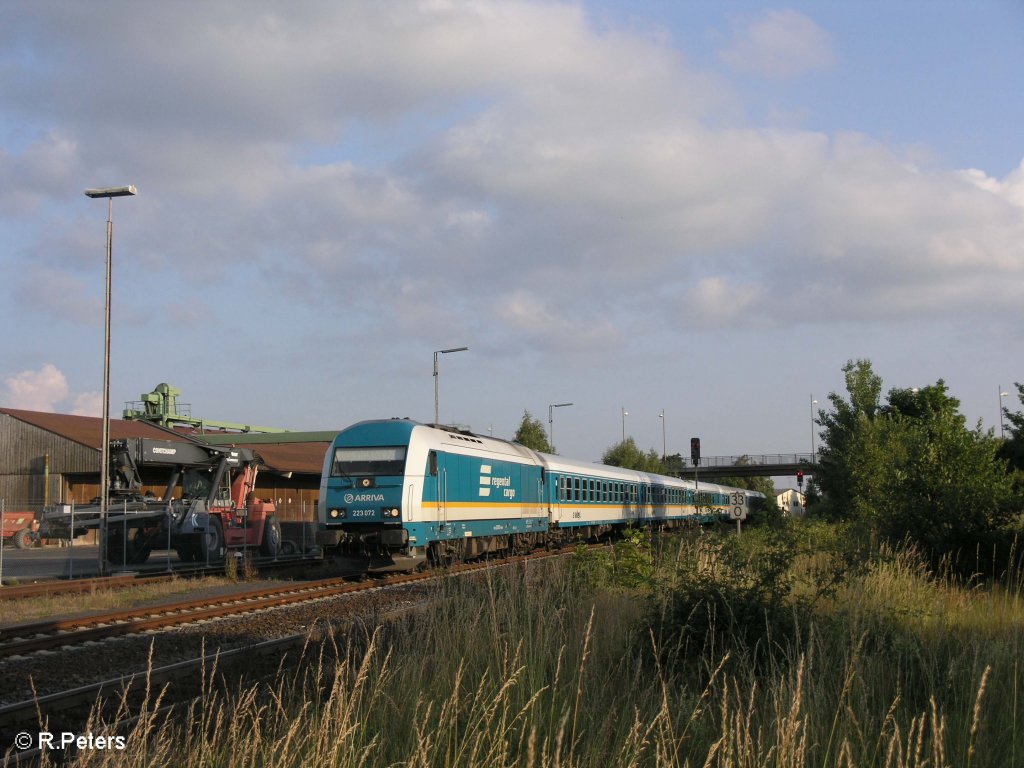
pixel 628 565
pixel 728 594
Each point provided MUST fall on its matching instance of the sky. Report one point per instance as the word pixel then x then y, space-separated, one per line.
pixel 702 209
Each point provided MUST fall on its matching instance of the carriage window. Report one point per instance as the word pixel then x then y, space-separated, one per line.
pixel 576 489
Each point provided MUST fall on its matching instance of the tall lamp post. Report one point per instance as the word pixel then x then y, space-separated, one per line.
pixel 813 403
pixel 664 448
pixel 625 413
pixel 109 193
pixel 1001 396
pixel 551 423
pixel 437 409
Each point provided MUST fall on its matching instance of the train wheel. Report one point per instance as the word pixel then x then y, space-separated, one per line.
pixel 445 554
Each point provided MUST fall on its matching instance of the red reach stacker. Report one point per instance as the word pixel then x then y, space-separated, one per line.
pixel 19 528
pixel 208 506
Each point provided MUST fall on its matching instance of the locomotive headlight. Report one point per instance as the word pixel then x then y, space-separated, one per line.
pixel 390 511
pixel 336 513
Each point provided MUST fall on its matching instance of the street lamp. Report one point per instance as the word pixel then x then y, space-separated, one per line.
pixel 437 418
pixel 813 403
pixel 110 193
pixel 1001 396
pixel 625 413
pixel 664 450
pixel 551 423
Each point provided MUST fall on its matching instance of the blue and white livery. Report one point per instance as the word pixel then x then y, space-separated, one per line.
pixel 396 494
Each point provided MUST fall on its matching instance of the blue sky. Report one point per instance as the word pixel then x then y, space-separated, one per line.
pixel 701 207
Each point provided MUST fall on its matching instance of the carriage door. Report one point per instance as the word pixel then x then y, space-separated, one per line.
pixel 556 492
pixel 435 487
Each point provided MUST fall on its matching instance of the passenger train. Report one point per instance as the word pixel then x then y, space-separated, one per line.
pixel 396 494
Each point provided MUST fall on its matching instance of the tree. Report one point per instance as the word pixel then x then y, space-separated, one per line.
pixel 924 403
pixel 1013 447
pixel 762 485
pixel 839 429
pixel 628 456
pixel 531 433
pixel 912 469
pixel 674 464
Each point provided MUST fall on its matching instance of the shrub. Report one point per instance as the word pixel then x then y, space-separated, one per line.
pixel 727 595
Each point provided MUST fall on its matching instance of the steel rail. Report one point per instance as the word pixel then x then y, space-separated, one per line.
pixel 144 686
pixel 143 575
pixel 20 639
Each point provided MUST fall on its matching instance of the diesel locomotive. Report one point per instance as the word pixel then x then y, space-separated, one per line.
pixel 396 495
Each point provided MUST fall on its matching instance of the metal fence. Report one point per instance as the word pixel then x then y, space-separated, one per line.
pixel 756 459
pixel 297 518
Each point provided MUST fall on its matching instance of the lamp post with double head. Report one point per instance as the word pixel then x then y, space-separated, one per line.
pixel 437 408
pixel 664 444
pixel 551 423
pixel 813 403
pixel 109 193
pixel 1001 396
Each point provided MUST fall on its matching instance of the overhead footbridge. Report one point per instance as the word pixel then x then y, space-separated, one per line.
pixel 764 465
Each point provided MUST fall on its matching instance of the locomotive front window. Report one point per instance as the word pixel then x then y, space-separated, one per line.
pixel 383 460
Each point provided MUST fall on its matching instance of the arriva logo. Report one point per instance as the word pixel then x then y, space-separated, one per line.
pixel 366 497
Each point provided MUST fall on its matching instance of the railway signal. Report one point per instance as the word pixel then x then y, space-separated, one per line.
pixel 695 451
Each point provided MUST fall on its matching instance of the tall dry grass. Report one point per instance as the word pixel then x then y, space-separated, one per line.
pixel 541 667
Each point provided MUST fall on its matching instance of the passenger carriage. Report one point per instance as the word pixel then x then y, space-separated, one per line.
pixel 396 494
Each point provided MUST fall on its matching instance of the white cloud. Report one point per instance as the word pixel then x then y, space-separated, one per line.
pixel 1011 188
pixel 46 168
pixel 59 294
pixel 88 404
pixel 548 325
pixel 779 44
pixel 47 390
pixel 39 390
pixel 408 169
pixel 717 302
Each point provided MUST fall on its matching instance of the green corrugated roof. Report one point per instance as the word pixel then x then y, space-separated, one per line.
pixel 266 438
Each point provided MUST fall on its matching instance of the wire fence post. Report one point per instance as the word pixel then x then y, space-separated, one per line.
pixel 71 544
pixel 3 510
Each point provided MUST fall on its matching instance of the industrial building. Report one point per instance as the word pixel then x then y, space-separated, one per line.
pixel 50 458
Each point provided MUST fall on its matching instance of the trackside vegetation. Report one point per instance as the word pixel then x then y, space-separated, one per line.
pixel 910 469
pixel 885 629
pixel 787 646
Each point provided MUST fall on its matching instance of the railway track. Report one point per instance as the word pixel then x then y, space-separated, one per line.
pixel 27 638
pixel 74 705
pixel 150 576
pixel 172 684
pixel 72 586
pixel 22 639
